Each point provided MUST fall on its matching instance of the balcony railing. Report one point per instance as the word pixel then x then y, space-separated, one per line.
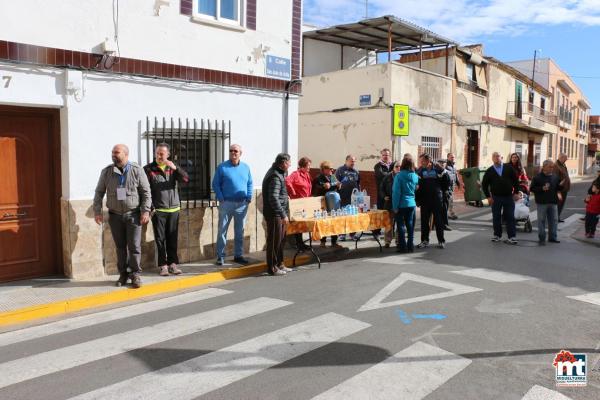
pixel 525 109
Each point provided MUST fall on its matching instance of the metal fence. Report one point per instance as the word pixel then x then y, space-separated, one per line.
pixel 197 146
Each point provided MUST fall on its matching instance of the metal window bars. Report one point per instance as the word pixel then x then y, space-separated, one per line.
pixel 197 146
pixel 433 146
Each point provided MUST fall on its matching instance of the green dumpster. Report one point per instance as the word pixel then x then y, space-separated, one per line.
pixel 472 184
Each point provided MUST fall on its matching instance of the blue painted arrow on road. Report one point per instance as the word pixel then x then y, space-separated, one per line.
pixel 406 319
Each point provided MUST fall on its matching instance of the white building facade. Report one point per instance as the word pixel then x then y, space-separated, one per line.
pixel 108 72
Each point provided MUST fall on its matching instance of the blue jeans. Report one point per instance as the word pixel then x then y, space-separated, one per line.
pixel 547 212
pixel 228 210
pixel 405 218
pixel 504 205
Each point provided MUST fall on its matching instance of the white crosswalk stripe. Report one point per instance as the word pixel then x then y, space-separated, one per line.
pixel 71 356
pixel 484 217
pixel 411 374
pixel 541 393
pixel 210 372
pixel 107 316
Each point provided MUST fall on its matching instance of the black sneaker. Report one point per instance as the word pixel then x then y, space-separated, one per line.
pixel 447 228
pixel 122 281
pixel 241 260
pixel 542 242
pixel 136 281
pixel 554 241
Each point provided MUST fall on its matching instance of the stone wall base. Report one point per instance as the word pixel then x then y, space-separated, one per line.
pixel 89 250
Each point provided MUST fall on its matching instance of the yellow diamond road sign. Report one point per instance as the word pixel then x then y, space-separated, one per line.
pixel 400 120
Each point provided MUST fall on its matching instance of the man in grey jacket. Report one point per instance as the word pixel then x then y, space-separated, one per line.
pixel 128 201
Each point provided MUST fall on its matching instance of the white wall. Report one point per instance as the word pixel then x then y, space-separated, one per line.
pixel 170 37
pixel 114 109
pixel 322 57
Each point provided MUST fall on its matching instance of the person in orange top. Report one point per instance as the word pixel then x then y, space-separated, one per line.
pixel 299 185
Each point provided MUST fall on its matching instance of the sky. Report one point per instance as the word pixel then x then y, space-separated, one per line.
pixel 568 31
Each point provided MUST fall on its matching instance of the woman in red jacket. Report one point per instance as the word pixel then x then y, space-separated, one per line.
pixel 299 185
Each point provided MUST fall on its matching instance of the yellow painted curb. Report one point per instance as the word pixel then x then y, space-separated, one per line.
pixel 118 296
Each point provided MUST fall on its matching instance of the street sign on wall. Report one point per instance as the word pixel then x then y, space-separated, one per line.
pixel 278 67
pixel 400 120
pixel 364 100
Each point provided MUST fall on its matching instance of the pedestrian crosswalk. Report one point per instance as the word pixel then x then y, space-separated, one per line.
pixel 417 370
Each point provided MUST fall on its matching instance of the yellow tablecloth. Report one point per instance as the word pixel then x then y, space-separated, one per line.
pixel 321 228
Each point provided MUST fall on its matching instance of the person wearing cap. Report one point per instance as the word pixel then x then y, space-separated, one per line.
pixel 325 183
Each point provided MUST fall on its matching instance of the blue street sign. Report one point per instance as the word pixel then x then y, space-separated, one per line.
pixel 278 67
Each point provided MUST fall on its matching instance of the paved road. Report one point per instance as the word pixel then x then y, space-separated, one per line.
pixel 478 320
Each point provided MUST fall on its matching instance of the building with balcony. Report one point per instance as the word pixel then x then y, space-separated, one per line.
pixel 594 140
pixel 347 97
pixel 198 74
pixel 520 121
pixel 570 105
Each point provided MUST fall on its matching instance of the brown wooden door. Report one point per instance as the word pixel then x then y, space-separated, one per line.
pixel 28 217
pixel 472 148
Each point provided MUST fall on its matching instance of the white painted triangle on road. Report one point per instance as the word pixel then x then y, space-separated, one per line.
pixel 377 301
pixel 541 393
pixel 41 364
pixel 593 298
pixel 411 374
pixel 193 378
pixel 492 275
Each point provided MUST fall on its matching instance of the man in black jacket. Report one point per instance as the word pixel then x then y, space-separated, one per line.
pixel 382 169
pixel 164 176
pixel 500 184
pixel 546 186
pixel 432 181
pixel 276 212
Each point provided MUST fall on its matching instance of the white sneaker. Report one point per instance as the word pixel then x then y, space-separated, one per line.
pixel 423 245
pixel 285 269
pixel 441 245
pixel 512 240
pixel 496 239
pixel 278 272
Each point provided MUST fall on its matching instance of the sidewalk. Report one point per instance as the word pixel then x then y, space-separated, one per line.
pixel 34 299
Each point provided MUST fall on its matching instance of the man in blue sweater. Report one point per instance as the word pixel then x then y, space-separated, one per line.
pixel 232 185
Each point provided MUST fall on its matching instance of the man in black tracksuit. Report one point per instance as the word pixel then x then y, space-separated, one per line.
pixel 164 176
pixel 429 197
pixel 500 184
pixel 276 210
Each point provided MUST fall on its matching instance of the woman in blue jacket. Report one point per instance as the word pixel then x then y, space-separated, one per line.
pixel 403 202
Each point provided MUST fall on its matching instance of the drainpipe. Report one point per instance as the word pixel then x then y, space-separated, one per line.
pixel 285 140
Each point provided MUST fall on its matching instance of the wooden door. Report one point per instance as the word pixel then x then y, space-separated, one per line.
pixel 472 148
pixel 28 213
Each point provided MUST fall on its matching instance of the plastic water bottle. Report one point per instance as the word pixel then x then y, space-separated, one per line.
pixel 303 214
pixel 325 214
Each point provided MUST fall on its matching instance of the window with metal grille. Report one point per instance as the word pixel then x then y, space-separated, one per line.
pixel 197 146
pixel 432 146
pixel 537 154
pixel 519 150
